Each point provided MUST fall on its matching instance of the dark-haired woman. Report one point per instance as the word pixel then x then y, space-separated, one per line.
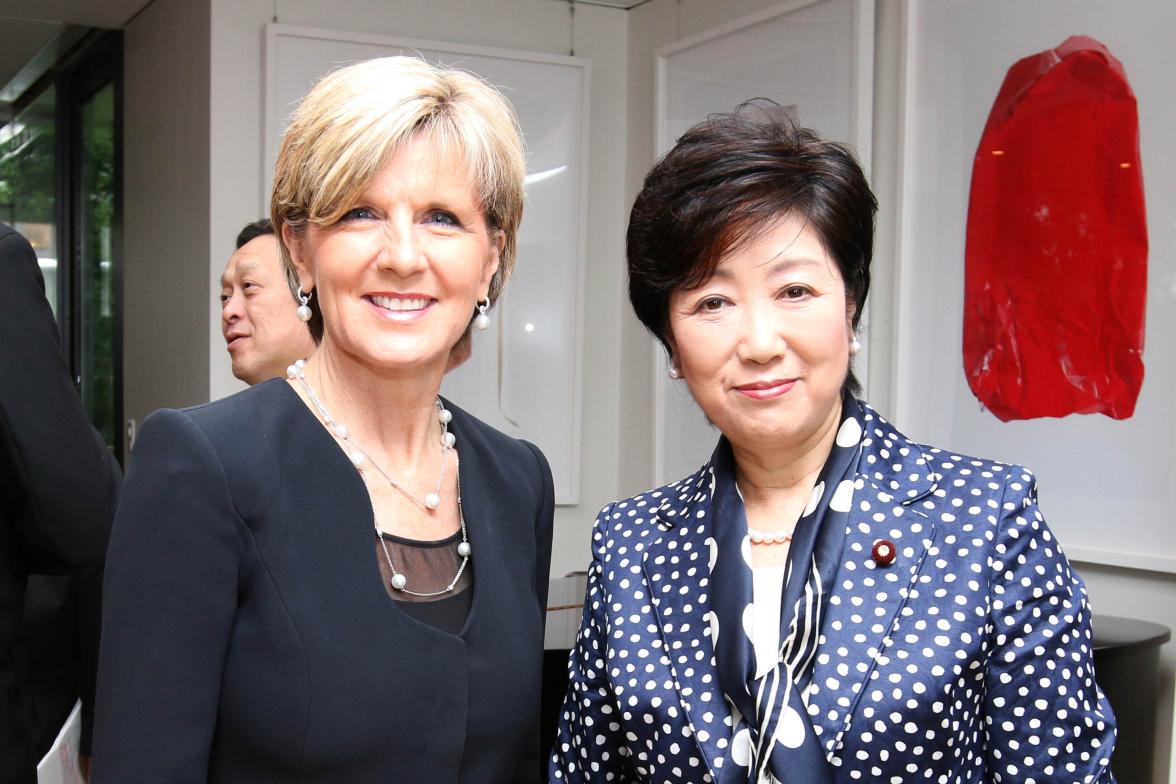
pixel 825 600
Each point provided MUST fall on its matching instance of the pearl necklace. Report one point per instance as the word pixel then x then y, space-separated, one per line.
pixel 768 537
pixel 359 458
pixel 399 581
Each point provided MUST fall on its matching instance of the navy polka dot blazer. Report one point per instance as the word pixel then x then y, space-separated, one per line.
pixel 968 658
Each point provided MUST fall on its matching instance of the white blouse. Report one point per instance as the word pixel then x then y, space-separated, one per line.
pixel 766 589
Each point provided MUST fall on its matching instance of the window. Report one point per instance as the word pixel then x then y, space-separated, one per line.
pixel 60 187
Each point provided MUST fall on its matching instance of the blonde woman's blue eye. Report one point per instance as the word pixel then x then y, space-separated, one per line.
pixel 357 213
pixel 442 217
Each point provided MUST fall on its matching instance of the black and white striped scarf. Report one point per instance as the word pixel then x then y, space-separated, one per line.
pixel 773 738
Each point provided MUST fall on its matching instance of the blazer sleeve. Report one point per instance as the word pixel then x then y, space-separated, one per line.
pixel 590 745
pixel 169 605
pixel 58 481
pixel 544 523
pixel 531 765
pixel 1046 718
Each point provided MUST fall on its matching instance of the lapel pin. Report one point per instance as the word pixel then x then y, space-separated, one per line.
pixel 883 552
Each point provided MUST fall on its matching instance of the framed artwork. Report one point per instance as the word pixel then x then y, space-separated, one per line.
pixel 1107 486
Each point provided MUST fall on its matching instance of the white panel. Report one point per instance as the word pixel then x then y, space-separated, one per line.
pixel 524 376
pixel 1108 488
pixel 814 58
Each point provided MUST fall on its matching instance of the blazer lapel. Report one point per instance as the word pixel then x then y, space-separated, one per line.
pixel 868 597
pixel 896 472
pixel 677 568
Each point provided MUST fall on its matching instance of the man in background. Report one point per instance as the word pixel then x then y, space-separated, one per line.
pixel 59 485
pixel 258 310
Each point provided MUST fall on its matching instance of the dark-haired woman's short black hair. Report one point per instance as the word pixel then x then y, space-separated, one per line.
pixel 728 180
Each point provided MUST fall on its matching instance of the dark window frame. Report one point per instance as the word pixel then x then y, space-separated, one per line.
pixel 92 64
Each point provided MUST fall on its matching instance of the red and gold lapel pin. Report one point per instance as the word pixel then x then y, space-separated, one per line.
pixel 883 552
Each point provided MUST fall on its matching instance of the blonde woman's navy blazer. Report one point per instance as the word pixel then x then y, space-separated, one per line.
pixel 969 659
pixel 248 635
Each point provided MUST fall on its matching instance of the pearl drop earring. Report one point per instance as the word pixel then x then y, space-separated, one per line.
pixel 855 345
pixel 304 312
pixel 481 321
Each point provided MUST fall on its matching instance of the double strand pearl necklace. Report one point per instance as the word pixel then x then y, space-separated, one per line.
pixel 359 458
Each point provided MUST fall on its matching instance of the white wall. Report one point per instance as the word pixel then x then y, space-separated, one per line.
pixel 239 184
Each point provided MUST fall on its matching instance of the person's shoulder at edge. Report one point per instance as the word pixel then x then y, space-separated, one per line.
pixel 231 422
pixel 667 502
pixel 249 412
pixel 940 463
pixel 653 510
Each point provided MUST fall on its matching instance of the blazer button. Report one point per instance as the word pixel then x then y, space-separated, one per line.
pixel 884 552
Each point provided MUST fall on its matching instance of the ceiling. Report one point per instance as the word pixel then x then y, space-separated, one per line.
pixel 87 13
pixel 20 40
pixel 28 26
pixel 623 4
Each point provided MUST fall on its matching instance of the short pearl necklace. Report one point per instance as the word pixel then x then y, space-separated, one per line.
pixel 768 537
pixel 359 458
pixel 764 537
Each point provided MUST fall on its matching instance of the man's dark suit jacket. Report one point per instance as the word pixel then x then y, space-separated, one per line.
pixel 58 490
pixel 247 632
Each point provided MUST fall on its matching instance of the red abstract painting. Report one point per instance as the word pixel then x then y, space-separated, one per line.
pixel 1056 255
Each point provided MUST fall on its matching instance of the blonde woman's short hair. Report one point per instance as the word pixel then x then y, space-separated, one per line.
pixel 348 127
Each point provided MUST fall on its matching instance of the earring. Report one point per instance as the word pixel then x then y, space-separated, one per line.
pixel 855 346
pixel 673 372
pixel 481 321
pixel 304 312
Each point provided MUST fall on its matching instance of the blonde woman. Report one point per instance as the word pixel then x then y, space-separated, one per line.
pixel 339 576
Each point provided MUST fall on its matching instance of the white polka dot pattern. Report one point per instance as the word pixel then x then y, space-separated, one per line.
pixel 969 659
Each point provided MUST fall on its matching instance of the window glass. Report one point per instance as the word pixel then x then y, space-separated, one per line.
pixel 28 182
pixel 97 305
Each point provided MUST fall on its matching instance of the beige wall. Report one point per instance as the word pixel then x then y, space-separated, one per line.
pixel 165 200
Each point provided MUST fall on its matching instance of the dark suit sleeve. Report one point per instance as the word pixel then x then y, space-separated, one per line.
pixel 169 603
pixel 88 593
pixel 60 482
pixel 531 766
pixel 544 522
